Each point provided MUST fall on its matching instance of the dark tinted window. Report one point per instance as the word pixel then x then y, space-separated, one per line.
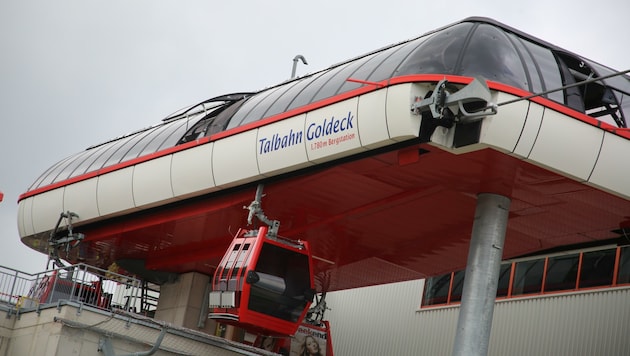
pixel 504 280
pixel 458 286
pixel 624 266
pixel 561 272
pixel 597 268
pixel 528 277
pixel 436 290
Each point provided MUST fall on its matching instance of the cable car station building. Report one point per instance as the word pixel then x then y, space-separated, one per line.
pixel 431 159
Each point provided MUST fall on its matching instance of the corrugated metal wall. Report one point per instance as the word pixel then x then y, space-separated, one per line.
pixel 385 320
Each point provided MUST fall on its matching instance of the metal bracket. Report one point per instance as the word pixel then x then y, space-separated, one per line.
pixel 315 314
pixel 69 241
pixel 475 96
pixel 255 209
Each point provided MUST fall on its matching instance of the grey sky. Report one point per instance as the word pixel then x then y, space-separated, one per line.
pixel 74 73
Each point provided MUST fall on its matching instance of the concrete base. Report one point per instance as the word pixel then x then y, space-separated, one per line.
pixel 75 329
pixel 181 302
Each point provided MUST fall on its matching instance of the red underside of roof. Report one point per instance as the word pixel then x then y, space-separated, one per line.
pixel 389 217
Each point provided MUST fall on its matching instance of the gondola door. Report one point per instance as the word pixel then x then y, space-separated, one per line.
pixel 263 284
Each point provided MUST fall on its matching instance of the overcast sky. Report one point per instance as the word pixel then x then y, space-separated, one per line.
pixel 74 73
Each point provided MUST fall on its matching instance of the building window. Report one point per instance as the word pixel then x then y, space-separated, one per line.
pixel 539 275
pixel 561 272
pixel 597 268
pixel 624 266
pixel 528 276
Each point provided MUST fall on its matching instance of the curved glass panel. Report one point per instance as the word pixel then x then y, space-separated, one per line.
pixel 71 164
pixel 280 101
pixel 47 177
pixel 174 136
pixel 306 96
pixel 122 151
pixel 620 89
pixel 283 102
pixel 159 135
pixel 258 112
pixel 549 71
pixel 96 153
pixel 531 67
pixel 491 55
pixel 387 68
pixel 331 79
pixel 365 71
pixel 438 54
pixel 243 113
pixel 137 148
pixel 110 149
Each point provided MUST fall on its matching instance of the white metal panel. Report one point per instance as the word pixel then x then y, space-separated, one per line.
pixel 567 145
pixel 281 146
pixel 332 132
pixel 152 181
pixel 401 122
pixel 372 120
pixel 384 320
pixel 590 323
pixel 503 130
pixel 530 130
pixel 46 209
pixel 234 159
pixel 612 171
pixel 80 198
pixel 114 192
pixel 191 170
pixel 25 218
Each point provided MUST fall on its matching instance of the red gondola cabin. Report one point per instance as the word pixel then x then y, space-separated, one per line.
pixel 263 283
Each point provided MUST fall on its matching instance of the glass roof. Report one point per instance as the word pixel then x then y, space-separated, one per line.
pixel 476 47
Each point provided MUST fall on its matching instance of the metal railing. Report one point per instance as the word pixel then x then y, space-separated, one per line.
pixel 87 285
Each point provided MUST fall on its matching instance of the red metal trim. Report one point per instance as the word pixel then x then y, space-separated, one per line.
pixel 544 277
pixel 579 271
pixel 376 84
pixel 616 268
pixel 511 283
pixel 450 288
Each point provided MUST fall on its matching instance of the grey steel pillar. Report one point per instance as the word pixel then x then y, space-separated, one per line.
pixel 482 275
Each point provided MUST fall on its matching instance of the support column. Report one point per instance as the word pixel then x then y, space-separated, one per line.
pixel 180 302
pixel 482 275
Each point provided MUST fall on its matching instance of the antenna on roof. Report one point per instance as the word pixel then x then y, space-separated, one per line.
pixel 295 61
